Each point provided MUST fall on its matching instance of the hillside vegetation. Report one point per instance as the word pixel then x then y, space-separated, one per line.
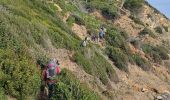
pixel 31 29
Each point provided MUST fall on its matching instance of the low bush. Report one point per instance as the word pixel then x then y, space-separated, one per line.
pixel 70 21
pixel 116 39
pixel 133 4
pixel 79 20
pixel 2 94
pixel 95 65
pixel 158 29
pixel 124 35
pixel 21 79
pixel 108 10
pixel 69 88
pixel 118 57
pixel 142 63
pixel 147 31
pixel 165 28
pixel 136 20
pixel 157 53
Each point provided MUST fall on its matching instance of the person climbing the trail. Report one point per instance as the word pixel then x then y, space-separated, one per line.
pixel 102 32
pixel 84 42
pixel 94 38
pixel 49 73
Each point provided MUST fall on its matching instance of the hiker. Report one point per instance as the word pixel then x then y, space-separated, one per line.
pixel 49 73
pixel 94 38
pixel 102 32
pixel 84 42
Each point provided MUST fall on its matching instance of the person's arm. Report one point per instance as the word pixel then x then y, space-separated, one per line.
pixel 44 75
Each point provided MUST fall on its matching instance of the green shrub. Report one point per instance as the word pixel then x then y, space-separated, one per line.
pixel 95 65
pixel 118 57
pixel 70 21
pixel 165 28
pixel 136 20
pixel 108 9
pixel 147 31
pixel 68 88
pixel 133 4
pixel 162 52
pixel 158 29
pixel 92 24
pixel 124 35
pixel 142 63
pixel 2 94
pixel 84 62
pixel 21 79
pixel 79 20
pixel 115 39
pixel 67 7
pixel 157 53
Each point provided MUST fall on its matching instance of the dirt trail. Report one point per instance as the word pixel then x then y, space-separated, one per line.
pixel 80 30
pixel 11 98
pixel 128 25
pixel 63 56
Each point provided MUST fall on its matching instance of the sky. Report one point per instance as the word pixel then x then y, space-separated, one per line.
pixel 162 5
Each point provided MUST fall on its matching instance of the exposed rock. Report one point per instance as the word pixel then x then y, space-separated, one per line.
pixel 144 89
pixel 159 98
pixel 80 30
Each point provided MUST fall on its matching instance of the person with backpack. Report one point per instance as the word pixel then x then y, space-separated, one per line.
pixel 84 42
pixel 101 33
pixel 49 74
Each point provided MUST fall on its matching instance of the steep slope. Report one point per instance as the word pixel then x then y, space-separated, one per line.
pixel 131 63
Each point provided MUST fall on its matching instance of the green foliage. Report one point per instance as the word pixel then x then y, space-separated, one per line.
pixel 79 20
pixel 108 9
pixel 68 88
pixel 25 27
pixel 67 7
pixel 94 64
pixel 147 31
pixel 124 35
pixel 134 4
pixel 116 39
pixel 2 95
pixel 21 78
pixel 92 24
pixel 157 53
pixel 118 57
pixel 165 28
pixel 142 63
pixel 136 20
pixel 70 21
pixel 158 29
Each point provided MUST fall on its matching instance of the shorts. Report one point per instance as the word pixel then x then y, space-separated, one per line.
pixel 51 86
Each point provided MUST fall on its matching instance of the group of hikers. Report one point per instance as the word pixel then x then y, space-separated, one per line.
pixel 49 73
pixel 95 37
pixel 52 68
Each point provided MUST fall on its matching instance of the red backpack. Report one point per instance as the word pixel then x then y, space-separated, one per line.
pixel 52 70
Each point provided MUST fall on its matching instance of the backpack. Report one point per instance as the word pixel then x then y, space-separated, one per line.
pixel 51 70
pixel 83 43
